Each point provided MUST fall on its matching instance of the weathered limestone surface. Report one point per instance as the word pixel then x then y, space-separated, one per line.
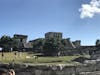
pixel 59 69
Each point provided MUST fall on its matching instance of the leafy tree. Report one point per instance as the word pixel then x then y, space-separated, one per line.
pixel 38 45
pixel 6 42
pixel 64 42
pixel 52 47
pixel 98 44
pixel 15 44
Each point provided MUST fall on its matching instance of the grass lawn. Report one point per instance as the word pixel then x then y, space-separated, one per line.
pixel 21 58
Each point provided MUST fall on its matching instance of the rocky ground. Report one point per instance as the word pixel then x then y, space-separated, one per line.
pixel 59 69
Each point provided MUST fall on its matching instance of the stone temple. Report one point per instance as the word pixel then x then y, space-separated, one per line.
pixel 55 35
pixel 71 48
pixel 22 40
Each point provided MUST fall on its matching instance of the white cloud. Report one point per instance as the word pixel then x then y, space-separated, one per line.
pixel 89 10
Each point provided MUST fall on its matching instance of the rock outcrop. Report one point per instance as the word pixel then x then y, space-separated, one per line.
pixel 59 69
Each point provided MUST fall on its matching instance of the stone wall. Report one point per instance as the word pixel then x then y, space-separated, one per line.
pixel 60 69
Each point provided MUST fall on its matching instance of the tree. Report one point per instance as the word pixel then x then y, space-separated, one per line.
pixel 6 42
pixel 64 42
pixel 98 44
pixel 15 44
pixel 38 45
pixel 52 46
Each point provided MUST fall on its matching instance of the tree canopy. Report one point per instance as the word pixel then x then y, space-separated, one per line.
pixel 52 47
pixel 6 42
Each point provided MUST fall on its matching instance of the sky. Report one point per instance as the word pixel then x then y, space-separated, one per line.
pixel 76 19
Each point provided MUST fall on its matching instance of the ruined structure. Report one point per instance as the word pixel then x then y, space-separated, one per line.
pixel 70 47
pixel 55 35
pixel 57 69
pixel 69 44
pixel 21 39
pixel 95 54
pixel 77 43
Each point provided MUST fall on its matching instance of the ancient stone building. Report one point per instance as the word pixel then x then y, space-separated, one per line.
pixel 22 40
pixel 70 47
pixel 55 35
pixel 95 54
pixel 69 44
pixel 77 43
pixel 86 49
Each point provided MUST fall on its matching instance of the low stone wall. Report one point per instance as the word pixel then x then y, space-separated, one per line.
pixel 59 69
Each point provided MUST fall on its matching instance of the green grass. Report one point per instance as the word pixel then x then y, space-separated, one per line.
pixel 10 57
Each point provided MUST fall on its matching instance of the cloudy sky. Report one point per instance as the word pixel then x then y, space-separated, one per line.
pixel 77 19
